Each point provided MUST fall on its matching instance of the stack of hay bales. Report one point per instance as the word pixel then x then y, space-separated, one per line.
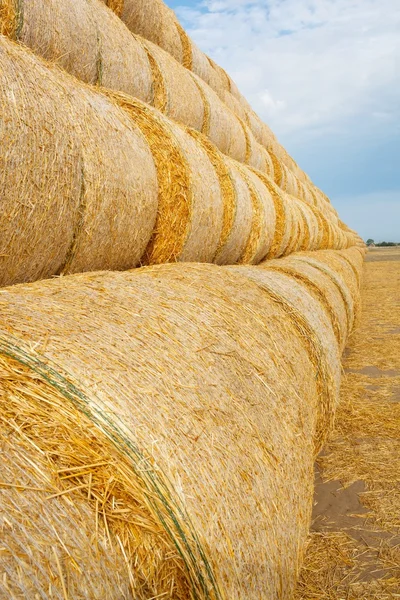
pixel 170 416
pixel 89 41
pixel 155 21
pixel 158 427
pixel 103 181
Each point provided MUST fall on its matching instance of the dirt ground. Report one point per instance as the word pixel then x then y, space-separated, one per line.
pixel 354 547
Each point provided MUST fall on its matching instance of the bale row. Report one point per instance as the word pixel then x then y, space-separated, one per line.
pixel 159 428
pixel 91 43
pixel 95 182
pixel 156 22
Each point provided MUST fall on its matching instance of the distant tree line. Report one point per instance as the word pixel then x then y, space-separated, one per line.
pixel 371 242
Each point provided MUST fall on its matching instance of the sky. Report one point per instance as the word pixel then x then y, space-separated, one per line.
pixel 325 76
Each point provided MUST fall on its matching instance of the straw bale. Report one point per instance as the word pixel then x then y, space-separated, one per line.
pixel 311 239
pixel 343 280
pixel 191 199
pixel 181 98
pixel 238 208
pixel 305 193
pixel 342 266
pixel 283 217
pixel 92 43
pixel 235 105
pixel 320 286
pixel 48 547
pixel 300 232
pixel 289 182
pixel 71 199
pixel 88 41
pixel 264 219
pixel 222 127
pixel 257 156
pixel 223 80
pixel 278 168
pixel 152 20
pixel 313 325
pixel 204 430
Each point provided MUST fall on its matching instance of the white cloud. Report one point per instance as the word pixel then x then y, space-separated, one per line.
pixel 307 66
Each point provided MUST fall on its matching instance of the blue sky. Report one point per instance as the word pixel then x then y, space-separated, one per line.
pixel 325 75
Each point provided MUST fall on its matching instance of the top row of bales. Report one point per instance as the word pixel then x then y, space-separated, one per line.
pixel 91 43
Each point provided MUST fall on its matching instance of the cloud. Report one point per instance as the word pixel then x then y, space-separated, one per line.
pixel 324 74
pixel 306 65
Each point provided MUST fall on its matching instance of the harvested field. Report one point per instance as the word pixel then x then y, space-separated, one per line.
pixel 354 549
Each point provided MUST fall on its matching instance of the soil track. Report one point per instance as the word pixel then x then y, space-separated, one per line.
pixel 354 549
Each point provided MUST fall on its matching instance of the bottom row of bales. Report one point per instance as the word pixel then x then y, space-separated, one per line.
pixel 159 427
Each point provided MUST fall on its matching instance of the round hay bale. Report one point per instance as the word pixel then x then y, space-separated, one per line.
pixel 193 461
pixel 238 208
pixel 343 267
pixel 257 156
pixel 49 549
pixel 178 95
pixel 90 42
pixel 300 232
pixel 319 285
pixel 153 20
pixel 235 105
pixel 191 199
pixel 312 236
pixel 322 263
pixel 223 78
pixel 283 219
pixel 315 326
pixel 70 198
pixel 221 126
pixel 277 168
pixel 289 182
pixel 264 219
pixel 87 40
